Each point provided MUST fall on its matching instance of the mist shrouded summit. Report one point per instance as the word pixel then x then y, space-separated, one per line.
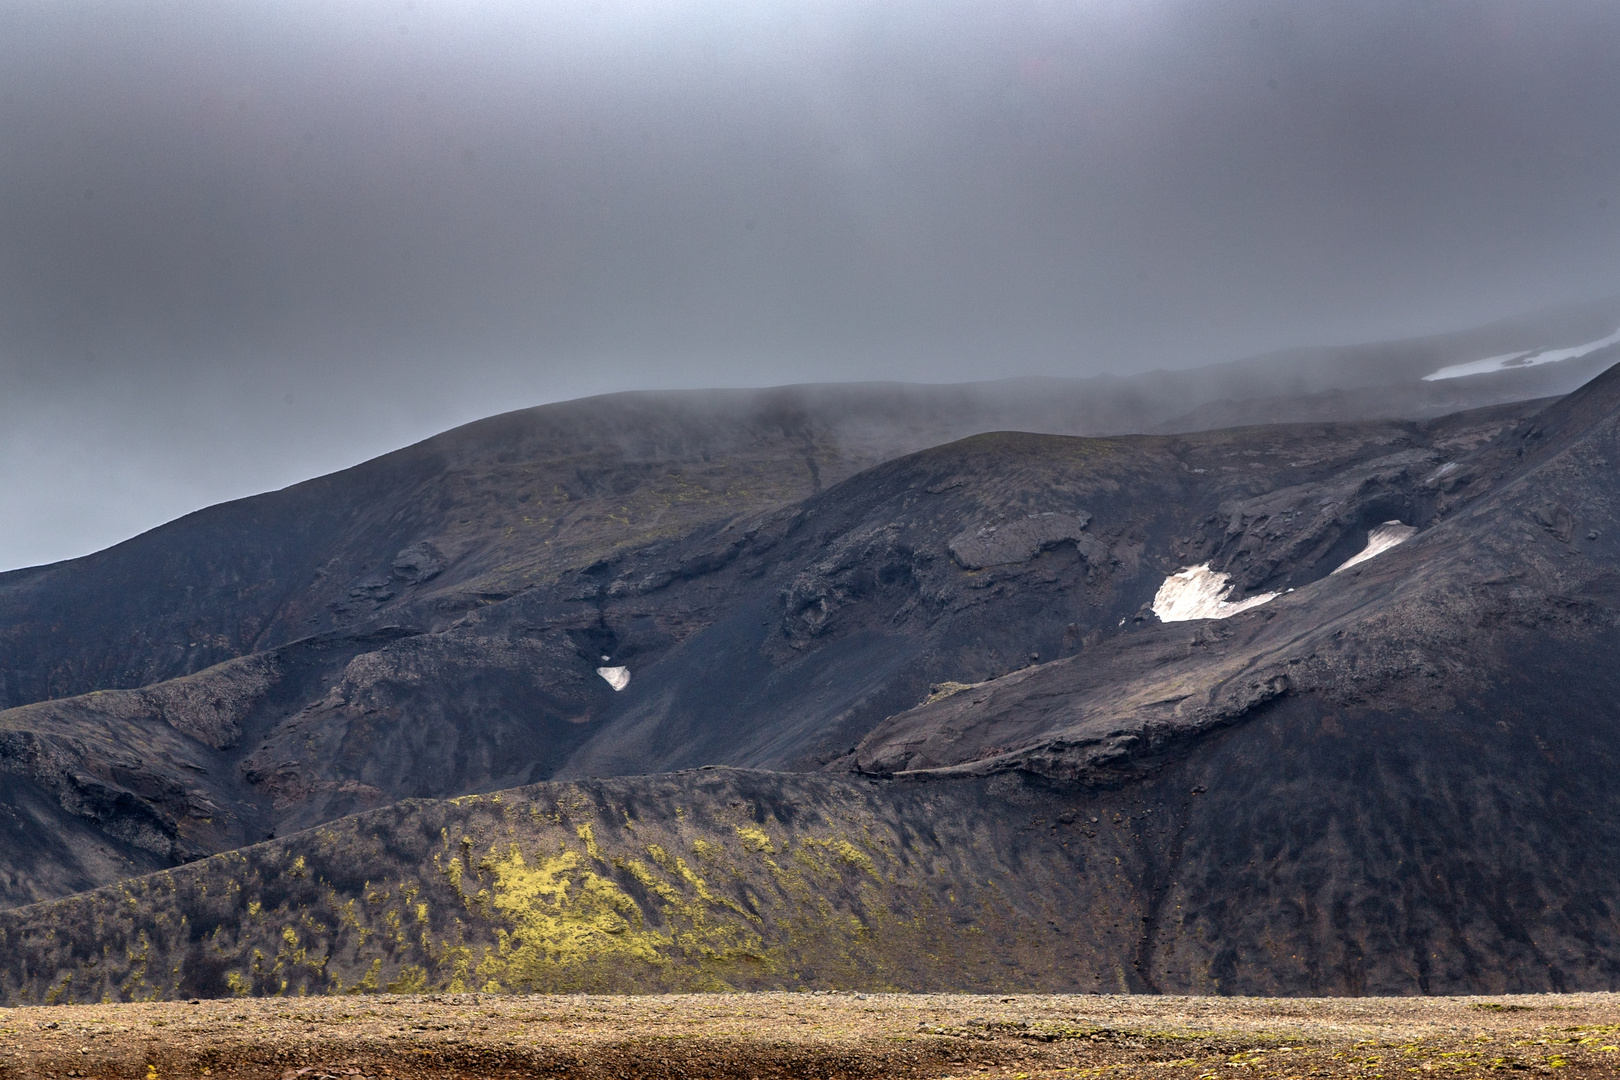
pixel 241 246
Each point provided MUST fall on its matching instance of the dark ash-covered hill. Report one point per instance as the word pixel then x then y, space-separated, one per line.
pixel 1396 781
pixel 1284 857
pixel 956 745
pixel 774 639
pixel 486 510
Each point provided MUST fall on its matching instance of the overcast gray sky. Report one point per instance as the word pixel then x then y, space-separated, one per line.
pixel 246 243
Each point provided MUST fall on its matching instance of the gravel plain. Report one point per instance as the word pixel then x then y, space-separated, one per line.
pixel 821 1035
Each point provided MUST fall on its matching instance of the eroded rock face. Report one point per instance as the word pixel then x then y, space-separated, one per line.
pixel 1438 623
pixel 1017 540
pixel 418 563
pixel 1292 535
pixel 1556 519
pixel 858 567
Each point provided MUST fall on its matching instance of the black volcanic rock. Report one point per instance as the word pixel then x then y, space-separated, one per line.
pixel 1020 539
pixel 1437 623
pixel 418 563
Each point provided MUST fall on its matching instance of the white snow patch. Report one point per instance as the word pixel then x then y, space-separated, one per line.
pixel 617 677
pixel 1510 361
pixel 1379 540
pixel 1473 367
pixel 1200 593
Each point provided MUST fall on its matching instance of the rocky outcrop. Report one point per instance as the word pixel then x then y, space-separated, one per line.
pixel 117 793
pixel 857 566
pixel 1018 540
pixel 418 563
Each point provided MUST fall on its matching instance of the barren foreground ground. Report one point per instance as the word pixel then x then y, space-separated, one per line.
pixel 813 1035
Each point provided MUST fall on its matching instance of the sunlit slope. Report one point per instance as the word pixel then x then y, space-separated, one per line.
pixel 1288 855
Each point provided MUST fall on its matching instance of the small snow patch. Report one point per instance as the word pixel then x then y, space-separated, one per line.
pixel 617 677
pixel 1443 471
pixel 1510 361
pixel 1200 593
pixel 1379 540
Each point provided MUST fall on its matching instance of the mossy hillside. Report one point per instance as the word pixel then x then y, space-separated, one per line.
pixel 1299 853
pixel 706 881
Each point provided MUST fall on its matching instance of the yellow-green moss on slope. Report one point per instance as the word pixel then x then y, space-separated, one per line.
pixel 565 920
pixel 584 897
pixel 745 881
pixel 560 915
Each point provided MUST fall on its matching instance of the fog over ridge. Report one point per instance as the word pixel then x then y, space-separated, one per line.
pixel 240 246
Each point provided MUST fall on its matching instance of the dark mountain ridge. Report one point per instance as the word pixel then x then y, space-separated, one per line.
pixel 1504 572
pixel 775 641
pixel 490 507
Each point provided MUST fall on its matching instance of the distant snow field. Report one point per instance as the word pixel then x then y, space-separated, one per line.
pixel 1379 540
pixel 1200 593
pixel 1514 360
pixel 617 677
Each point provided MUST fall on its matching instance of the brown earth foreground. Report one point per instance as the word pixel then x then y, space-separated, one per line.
pixel 813 1035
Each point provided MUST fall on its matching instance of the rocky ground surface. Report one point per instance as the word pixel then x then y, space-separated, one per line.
pixel 815 1035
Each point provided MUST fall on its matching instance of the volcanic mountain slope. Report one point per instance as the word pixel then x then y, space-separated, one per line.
pixel 488 509
pixel 1395 777
pixel 437 529
pixel 1509 583
pixel 777 639
pixel 1393 780
pixel 1284 857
